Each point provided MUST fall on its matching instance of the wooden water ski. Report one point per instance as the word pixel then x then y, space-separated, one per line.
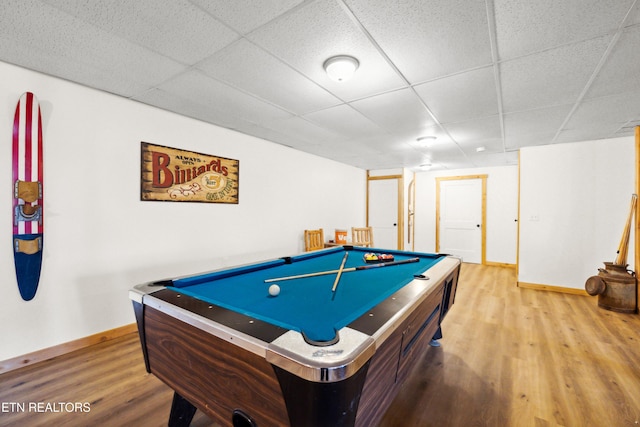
pixel 28 214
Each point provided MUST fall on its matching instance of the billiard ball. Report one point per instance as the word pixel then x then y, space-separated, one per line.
pixel 274 290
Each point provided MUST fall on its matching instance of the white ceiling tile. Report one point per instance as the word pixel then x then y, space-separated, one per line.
pixel 584 134
pixel 553 77
pixel 307 37
pixel 350 152
pixel 462 96
pixel 345 121
pixel 601 117
pixel 302 131
pixel 476 131
pixel 176 29
pixel 397 110
pixel 260 131
pixel 245 65
pixel 621 73
pixel 428 38
pixel 382 143
pixel 525 26
pixel 246 15
pixel 534 127
pixel 635 15
pixel 530 139
pixel 485 159
pixel 229 101
pixel 189 107
pixel 615 109
pixel 488 146
pixel 78 51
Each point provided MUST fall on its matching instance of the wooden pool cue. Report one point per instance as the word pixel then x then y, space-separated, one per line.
pixel 335 284
pixel 623 248
pixel 346 270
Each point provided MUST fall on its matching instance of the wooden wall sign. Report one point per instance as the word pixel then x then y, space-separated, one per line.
pixel 173 175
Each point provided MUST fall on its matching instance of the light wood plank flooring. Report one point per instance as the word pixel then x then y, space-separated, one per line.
pixel 509 357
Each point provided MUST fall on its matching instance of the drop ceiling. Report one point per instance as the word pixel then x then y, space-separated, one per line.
pixel 496 74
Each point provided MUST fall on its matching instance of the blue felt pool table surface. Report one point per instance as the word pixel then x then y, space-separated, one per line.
pixel 307 305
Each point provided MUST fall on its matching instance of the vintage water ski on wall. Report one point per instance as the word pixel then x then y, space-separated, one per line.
pixel 28 215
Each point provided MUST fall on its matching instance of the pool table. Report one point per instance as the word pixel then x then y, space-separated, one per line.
pixel 312 355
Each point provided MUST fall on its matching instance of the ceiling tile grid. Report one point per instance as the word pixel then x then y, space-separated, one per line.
pixel 177 29
pixel 602 117
pixel 399 110
pixel 621 72
pixel 524 26
pixel 533 127
pixel 462 96
pixel 497 74
pixel 344 120
pixel 308 36
pixel 484 132
pixel 555 76
pixel 245 16
pixel 244 65
pixel 229 101
pixel 427 39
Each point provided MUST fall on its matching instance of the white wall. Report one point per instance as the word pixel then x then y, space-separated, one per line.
pixel 100 239
pixel 502 203
pixel 574 202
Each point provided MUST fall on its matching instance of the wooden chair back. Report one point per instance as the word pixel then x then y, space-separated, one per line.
pixel 313 240
pixel 362 236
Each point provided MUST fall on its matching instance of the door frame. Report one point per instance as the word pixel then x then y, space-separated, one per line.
pixel 400 227
pixel 483 228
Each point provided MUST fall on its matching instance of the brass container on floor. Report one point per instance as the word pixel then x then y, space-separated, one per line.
pixel 615 287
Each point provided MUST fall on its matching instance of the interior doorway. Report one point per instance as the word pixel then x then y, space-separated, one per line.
pixel 384 210
pixel 461 217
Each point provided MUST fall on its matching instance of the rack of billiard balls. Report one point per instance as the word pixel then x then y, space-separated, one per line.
pixel 372 257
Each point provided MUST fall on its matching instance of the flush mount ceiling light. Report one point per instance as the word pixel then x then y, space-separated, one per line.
pixel 427 140
pixel 341 68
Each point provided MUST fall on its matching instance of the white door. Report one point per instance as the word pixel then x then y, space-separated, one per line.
pixel 383 212
pixel 461 219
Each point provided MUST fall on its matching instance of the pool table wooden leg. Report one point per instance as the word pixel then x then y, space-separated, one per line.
pixel 182 412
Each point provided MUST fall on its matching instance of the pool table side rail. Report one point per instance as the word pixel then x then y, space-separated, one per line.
pixel 222 272
pixel 414 293
pixel 226 333
pixel 396 357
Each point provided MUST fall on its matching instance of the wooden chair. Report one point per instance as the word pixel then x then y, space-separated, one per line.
pixel 313 240
pixel 362 236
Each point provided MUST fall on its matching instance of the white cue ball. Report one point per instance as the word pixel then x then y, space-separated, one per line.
pixel 274 290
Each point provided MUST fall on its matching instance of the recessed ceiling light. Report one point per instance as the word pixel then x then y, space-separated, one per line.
pixel 341 68
pixel 480 149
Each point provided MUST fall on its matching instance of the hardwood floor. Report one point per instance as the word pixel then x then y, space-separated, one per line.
pixel 521 357
pixel 509 357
